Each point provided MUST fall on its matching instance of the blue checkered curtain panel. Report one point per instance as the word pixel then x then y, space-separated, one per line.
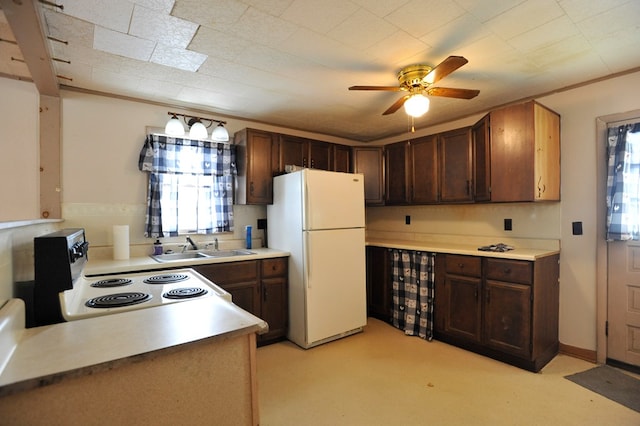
pixel 210 167
pixel 413 292
pixel 623 183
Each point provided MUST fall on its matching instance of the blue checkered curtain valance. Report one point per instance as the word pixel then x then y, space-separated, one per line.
pixel 623 183
pixel 165 154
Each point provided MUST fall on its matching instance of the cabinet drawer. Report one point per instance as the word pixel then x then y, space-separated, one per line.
pixel 463 265
pixel 516 271
pixel 274 267
pixel 231 272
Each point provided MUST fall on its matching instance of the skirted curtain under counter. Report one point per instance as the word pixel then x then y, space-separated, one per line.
pixel 209 166
pixel 413 292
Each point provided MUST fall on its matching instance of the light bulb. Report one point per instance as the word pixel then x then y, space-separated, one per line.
pixel 220 134
pixel 198 131
pixel 174 127
pixel 417 105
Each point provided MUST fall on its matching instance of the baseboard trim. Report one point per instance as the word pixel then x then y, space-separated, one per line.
pixel 585 354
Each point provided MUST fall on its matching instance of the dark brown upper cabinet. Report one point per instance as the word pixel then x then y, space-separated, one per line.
pixel 369 162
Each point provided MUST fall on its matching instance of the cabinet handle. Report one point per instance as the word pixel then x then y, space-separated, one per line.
pixel 251 188
pixel 264 294
pixel 507 270
pixel 304 162
pixel 460 265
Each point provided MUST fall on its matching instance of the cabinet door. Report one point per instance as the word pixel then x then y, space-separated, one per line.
pixel 508 317
pixel 424 170
pixel 481 160
pixel 463 316
pixel 238 278
pixel 274 307
pixel 512 154
pixel 246 295
pixel 397 173
pixel 378 283
pixel 368 161
pixel 341 158
pixel 455 166
pixel 319 154
pixel 259 169
pixel 292 152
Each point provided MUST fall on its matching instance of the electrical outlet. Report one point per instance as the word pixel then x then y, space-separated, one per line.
pixel 508 225
pixel 262 223
pixel 577 228
pixel 407 220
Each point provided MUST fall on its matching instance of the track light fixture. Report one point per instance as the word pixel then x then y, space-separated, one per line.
pixel 197 128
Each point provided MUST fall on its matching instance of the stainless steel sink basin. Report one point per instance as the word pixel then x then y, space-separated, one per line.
pixel 200 254
pixel 226 253
pixel 172 257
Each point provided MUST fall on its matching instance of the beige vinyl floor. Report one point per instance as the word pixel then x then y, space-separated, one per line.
pixel 382 377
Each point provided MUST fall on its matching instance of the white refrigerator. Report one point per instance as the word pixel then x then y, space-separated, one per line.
pixel 318 217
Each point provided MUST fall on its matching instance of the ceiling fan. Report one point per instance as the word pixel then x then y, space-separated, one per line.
pixel 417 80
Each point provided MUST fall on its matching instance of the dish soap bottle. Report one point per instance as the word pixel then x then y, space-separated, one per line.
pixel 248 240
pixel 157 247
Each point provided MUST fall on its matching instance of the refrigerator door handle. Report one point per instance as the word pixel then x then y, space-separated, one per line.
pixel 307 264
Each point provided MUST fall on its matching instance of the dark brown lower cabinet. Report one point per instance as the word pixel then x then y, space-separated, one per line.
pixel 503 308
pixel 257 286
pixel 379 283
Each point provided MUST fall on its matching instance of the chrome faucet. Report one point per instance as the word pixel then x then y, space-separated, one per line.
pixel 190 241
pixel 215 243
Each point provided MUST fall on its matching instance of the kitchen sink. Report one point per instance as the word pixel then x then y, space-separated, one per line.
pixel 200 254
pixel 226 253
pixel 172 257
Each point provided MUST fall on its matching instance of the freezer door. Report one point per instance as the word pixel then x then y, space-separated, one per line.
pixel 333 200
pixel 335 282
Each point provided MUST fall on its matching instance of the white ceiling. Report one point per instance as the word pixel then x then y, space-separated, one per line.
pixel 289 62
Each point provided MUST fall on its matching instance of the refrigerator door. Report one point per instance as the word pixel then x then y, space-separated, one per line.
pixel 333 200
pixel 335 283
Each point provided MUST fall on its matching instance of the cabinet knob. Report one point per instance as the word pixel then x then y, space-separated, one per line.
pixel 507 270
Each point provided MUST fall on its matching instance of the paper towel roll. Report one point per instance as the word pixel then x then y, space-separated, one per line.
pixel 121 242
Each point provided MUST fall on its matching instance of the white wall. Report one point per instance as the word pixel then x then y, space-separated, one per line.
pixel 19 148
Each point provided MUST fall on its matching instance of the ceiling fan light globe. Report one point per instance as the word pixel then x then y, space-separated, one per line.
pixel 198 131
pixel 220 134
pixel 417 105
pixel 174 127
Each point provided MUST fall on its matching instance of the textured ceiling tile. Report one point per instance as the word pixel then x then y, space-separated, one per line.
pixel 546 34
pixel 272 7
pixel 620 20
pixel 178 58
pixel 163 6
pixel 524 17
pixel 395 49
pixel 113 14
pixel 578 10
pixel 487 9
pixel 319 16
pixel 419 16
pixel 381 7
pixel 362 30
pixel 67 28
pixel 122 44
pixel 211 12
pixel 446 40
pixel 166 29
pixel 218 43
pixel 324 50
pixel 261 28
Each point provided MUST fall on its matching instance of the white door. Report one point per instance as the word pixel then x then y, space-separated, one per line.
pixel 623 302
pixel 333 200
pixel 335 282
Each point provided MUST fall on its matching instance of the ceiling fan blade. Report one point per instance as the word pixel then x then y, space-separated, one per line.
pixel 396 106
pixel 448 92
pixel 444 68
pixel 387 88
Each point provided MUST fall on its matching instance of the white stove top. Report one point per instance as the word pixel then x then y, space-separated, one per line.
pixel 73 302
